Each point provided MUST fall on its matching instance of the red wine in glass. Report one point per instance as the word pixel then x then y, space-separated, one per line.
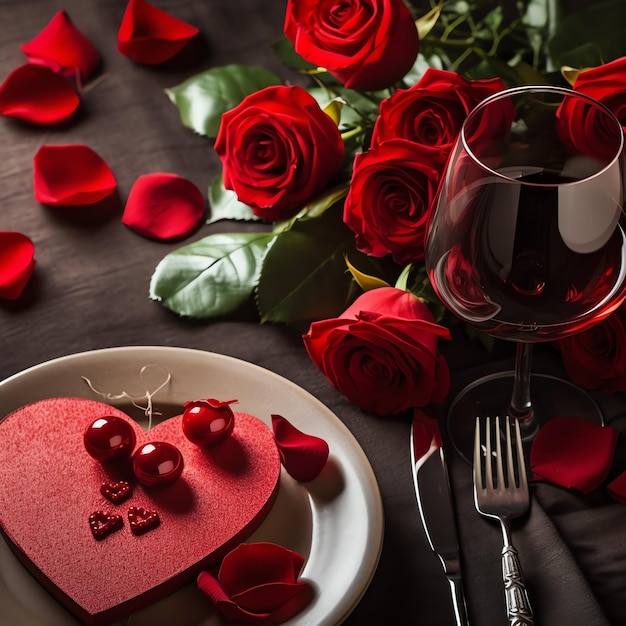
pixel 527 242
pixel 518 270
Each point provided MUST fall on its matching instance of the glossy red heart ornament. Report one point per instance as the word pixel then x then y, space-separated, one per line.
pixel 221 497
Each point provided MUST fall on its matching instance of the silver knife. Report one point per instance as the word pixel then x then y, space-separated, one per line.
pixel 432 489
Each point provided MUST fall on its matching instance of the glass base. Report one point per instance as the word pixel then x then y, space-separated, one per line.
pixel 490 396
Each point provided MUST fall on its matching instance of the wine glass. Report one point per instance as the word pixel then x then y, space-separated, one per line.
pixel 526 243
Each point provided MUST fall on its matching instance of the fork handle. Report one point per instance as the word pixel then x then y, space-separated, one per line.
pixel 518 607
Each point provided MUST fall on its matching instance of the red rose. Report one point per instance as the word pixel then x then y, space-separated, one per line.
pixel 607 84
pixel 278 149
pixel 258 582
pixel 366 44
pixel 595 359
pixel 586 129
pixel 390 198
pixel 433 110
pixel 381 353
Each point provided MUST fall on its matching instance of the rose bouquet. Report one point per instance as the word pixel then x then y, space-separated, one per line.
pixel 334 171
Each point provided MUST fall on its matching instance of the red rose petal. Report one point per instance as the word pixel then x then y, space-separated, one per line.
pixel 302 455
pixel 617 488
pixel 149 35
pixel 163 206
pixel 266 597
pixel 16 263
pixel 63 48
pixel 573 452
pixel 253 564
pixel 71 175
pixel 36 94
pixel 258 582
pixel 211 587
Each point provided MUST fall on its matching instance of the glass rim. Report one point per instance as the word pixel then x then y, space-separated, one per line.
pixel 555 89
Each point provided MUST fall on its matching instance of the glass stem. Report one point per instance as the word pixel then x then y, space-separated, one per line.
pixel 521 405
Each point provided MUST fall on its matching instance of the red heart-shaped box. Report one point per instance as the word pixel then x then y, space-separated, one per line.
pixel 49 487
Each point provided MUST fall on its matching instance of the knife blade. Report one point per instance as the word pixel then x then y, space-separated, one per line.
pixel 434 499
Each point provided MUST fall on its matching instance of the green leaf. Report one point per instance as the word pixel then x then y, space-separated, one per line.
pixel 536 14
pixel 357 108
pixel 203 99
pixel 316 207
pixel 211 277
pixel 590 36
pixel 333 110
pixel 494 18
pixel 304 275
pixel 284 50
pixel 357 114
pixel 414 278
pixel 225 205
pixel 419 68
pixel 425 23
pixel 570 74
pixel 365 281
pixel 403 280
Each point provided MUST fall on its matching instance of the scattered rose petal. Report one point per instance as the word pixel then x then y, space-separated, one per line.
pixel 426 433
pixel 573 452
pixel 16 263
pixel 63 48
pixel 617 488
pixel 36 94
pixel 211 587
pixel 302 455
pixel 71 175
pixel 149 35
pixel 258 582
pixel 163 206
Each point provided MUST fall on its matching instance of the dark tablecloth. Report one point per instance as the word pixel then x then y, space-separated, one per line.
pixel 90 290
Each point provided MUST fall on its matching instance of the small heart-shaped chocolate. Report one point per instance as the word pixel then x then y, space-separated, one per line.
pixel 142 520
pixel 116 491
pixel 102 524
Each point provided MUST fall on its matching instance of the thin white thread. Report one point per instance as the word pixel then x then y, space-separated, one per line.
pixel 148 410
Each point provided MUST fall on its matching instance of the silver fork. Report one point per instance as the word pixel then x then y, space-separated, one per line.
pixel 503 501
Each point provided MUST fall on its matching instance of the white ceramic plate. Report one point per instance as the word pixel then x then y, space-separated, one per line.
pixel 336 521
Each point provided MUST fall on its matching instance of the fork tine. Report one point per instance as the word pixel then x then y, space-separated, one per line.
pixel 499 468
pixel 488 455
pixel 509 455
pixel 521 463
pixel 478 475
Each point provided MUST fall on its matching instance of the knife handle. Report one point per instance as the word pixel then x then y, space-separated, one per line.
pixel 458 602
pixel 517 603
